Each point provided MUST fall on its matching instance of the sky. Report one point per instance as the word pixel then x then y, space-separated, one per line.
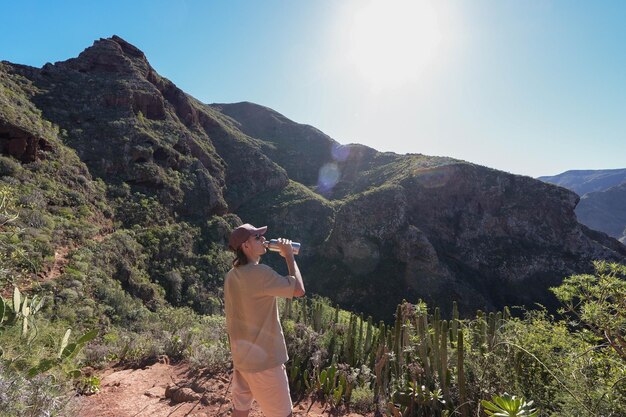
pixel 529 87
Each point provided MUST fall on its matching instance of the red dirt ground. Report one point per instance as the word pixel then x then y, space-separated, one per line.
pixel 142 393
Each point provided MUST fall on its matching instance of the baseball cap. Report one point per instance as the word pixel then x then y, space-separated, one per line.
pixel 243 233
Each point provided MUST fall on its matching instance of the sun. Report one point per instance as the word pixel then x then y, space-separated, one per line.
pixel 393 41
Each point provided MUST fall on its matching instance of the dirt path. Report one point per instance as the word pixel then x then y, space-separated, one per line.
pixel 144 392
pixel 55 271
pixel 58 265
pixel 60 262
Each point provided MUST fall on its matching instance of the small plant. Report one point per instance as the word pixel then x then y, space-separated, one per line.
pixel 88 385
pixel 509 406
pixel 67 352
pixel 362 399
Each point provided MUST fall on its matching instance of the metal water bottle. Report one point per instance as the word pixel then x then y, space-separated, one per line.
pixel 273 246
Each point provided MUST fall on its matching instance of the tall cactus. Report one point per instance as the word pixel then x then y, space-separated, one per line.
pixel 318 309
pixel 360 352
pixel 436 336
pixel 443 366
pixel 367 346
pixel 424 338
pixel 25 316
pixel 305 312
pixel 506 313
pixel 351 340
pixel 480 332
pixel 397 338
pixel 286 306
pixel 463 406
pixel 491 330
pixel 454 323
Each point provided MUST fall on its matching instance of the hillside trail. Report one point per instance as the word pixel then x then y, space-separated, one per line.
pixel 61 260
pixel 164 390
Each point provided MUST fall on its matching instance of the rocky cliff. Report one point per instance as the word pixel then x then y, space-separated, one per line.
pixel 376 227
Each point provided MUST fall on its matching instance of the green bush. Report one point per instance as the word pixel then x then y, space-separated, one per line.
pixel 8 166
pixel 362 399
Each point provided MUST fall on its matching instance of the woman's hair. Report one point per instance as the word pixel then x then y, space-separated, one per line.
pixel 241 258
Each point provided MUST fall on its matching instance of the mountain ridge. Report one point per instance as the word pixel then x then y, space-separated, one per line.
pixel 377 227
pixel 603 198
pixel 583 181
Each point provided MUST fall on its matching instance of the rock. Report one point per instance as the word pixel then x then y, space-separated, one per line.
pixel 19 144
pixel 181 394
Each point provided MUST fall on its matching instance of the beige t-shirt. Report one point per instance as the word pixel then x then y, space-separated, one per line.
pixel 256 337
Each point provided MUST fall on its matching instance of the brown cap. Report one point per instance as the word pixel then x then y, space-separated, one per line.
pixel 243 233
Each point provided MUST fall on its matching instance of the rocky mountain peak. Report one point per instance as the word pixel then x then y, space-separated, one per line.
pixel 114 55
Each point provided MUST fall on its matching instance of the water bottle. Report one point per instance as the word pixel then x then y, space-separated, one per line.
pixel 273 246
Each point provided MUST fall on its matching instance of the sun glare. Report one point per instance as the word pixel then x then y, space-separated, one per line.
pixel 392 41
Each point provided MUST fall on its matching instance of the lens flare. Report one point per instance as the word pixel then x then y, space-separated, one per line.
pixel 328 177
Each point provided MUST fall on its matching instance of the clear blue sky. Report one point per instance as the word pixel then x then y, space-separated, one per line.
pixel 529 87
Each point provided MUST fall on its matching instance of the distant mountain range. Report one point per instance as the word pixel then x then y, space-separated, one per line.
pixel 104 136
pixel 587 181
pixel 603 198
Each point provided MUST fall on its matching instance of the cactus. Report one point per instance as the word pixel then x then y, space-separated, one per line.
pixel 396 347
pixel 360 352
pixel 463 406
pixel 305 313
pixel 381 362
pixel 480 332
pixel 64 342
pixel 436 337
pixel 67 352
pixel 368 337
pixel 350 341
pixel 317 315
pixel 25 311
pixel 287 310
pixel 506 313
pixel 327 381
pixel 307 380
pixel 36 307
pixel 424 338
pixel 454 323
pixel 16 300
pixel 491 330
pixel 353 348
pixel 443 367
pixel 294 373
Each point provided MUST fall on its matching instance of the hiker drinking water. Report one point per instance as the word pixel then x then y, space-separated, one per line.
pixel 256 337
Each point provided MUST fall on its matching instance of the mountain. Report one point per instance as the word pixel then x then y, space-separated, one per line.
pixel 587 181
pixel 602 205
pixel 605 210
pixel 173 175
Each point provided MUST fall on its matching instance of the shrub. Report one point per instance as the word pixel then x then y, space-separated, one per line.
pixel 43 395
pixel 362 399
pixel 214 357
pixel 8 166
